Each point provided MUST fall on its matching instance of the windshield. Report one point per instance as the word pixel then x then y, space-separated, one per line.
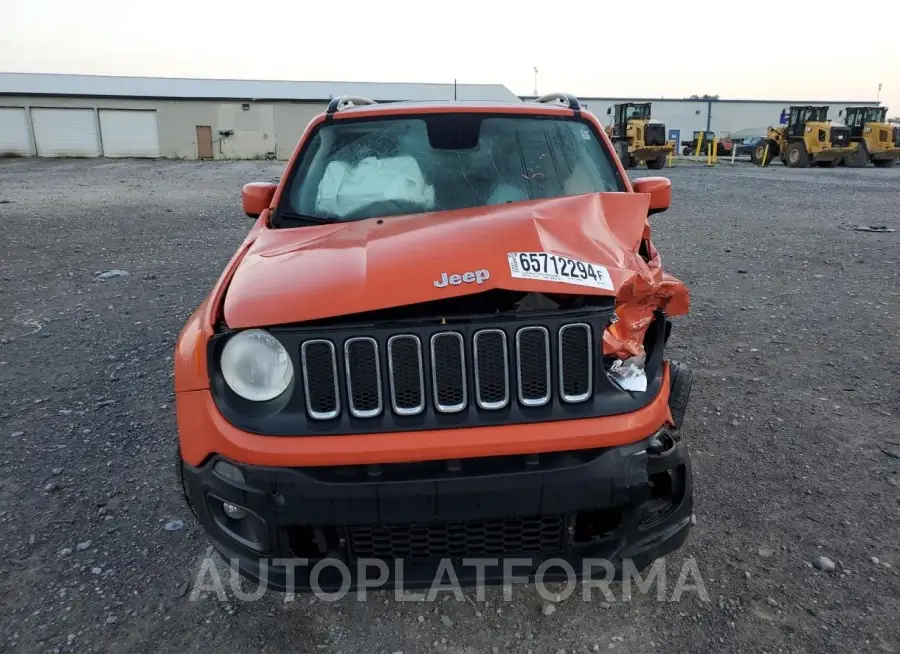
pixel 876 115
pixel 358 169
pixel 637 112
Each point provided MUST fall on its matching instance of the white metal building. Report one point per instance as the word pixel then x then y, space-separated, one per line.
pixel 93 116
pixel 96 116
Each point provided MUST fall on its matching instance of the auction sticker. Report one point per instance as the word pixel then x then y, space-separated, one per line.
pixel 555 268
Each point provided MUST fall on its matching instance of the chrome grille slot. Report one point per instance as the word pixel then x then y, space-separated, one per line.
pixel 406 375
pixel 448 372
pixel 320 379
pixel 363 377
pixel 575 362
pixel 491 368
pixel 533 365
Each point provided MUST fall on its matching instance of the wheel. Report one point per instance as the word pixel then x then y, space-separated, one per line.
pixel 687 151
pixel 859 158
pixel 681 380
pixel 884 163
pixel 624 156
pixel 796 156
pixel 656 164
pixel 759 151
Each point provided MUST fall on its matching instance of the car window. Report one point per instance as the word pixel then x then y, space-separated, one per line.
pixel 358 169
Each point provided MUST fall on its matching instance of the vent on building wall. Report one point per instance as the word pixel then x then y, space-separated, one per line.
pixel 246 106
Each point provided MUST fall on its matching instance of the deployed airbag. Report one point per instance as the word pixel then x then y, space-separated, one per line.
pixel 347 187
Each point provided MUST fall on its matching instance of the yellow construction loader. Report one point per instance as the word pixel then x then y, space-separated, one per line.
pixel 808 138
pixel 873 138
pixel 637 137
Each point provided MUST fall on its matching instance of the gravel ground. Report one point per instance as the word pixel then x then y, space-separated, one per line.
pixel 792 426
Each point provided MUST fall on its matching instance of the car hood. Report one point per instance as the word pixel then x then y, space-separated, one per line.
pixel 306 273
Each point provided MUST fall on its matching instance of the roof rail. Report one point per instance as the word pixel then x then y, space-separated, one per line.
pixel 563 99
pixel 341 102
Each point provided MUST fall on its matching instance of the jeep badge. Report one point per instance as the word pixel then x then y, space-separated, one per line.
pixel 478 276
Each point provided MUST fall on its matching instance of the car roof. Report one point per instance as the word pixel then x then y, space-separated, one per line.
pixel 452 106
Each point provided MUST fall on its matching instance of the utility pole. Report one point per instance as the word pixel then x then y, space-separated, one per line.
pixel 454 88
pixel 535 82
pixel 878 95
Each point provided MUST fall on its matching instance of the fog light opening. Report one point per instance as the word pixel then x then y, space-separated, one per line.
pixel 233 511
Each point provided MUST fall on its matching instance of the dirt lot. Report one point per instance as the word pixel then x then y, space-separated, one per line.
pixel 793 338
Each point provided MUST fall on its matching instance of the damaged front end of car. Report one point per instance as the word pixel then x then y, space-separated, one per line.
pixel 454 385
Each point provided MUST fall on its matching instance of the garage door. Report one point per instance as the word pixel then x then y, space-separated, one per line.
pixel 129 133
pixel 15 138
pixel 66 132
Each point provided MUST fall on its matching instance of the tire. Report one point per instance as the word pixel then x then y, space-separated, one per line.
pixel 687 151
pixel 884 163
pixel 759 150
pixel 796 156
pixel 656 164
pixel 624 156
pixel 681 380
pixel 859 159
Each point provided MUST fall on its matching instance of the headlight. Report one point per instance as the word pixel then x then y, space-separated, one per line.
pixel 256 366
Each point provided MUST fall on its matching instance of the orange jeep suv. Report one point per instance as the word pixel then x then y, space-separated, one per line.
pixel 443 339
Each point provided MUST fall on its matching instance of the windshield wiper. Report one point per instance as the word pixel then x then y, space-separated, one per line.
pixel 301 217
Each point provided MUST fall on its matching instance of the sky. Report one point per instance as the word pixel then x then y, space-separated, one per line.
pixel 734 49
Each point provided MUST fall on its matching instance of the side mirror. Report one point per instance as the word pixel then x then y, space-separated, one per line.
pixel 256 197
pixel 841 113
pixel 660 190
pixel 608 111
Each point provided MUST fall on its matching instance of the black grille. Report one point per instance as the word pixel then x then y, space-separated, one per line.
pixel 407 378
pixel 363 377
pixel 533 359
pixel 491 369
pixel 320 379
pixel 655 134
pixel 476 538
pixel 575 362
pixel 840 136
pixel 448 369
pixel 897 137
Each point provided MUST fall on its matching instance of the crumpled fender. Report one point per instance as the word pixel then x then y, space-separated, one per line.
pixel 648 290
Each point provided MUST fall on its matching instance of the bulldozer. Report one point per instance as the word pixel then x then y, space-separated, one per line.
pixel 637 137
pixel 808 138
pixel 873 138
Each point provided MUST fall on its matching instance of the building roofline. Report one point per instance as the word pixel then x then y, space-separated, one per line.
pixel 585 98
pixel 184 88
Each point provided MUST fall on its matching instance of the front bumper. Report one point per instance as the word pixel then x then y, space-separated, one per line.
pixel 830 154
pixel 888 154
pixel 343 528
pixel 652 151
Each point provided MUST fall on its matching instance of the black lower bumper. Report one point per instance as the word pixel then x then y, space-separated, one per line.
pixel 493 520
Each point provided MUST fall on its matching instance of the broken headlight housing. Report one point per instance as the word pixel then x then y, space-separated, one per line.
pixel 627 374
